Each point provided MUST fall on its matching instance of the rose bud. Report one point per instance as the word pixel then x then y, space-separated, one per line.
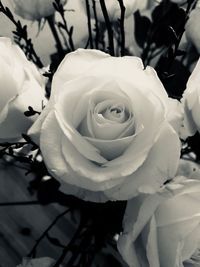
pixel 163 229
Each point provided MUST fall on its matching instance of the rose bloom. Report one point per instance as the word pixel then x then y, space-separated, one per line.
pixel 113 8
pixel 104 131
pixel 191 103
pixel 35 9
pixel 162 230
pixel 39 262
pixel 21 86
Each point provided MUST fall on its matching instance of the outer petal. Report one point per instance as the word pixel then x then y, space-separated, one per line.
pixel 175 114
pixel 75 64
pixel 138 213
pixel 191 101
pixel 83 61
pixel 171 240
pixel 15 122
pixel 155 170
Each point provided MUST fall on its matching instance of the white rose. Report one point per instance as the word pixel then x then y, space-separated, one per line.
pixel 104 131
pixel 191 102
pixel 192 28
pixel 162 230
pixel 113 8
pixel 39 262
pixel 21 86
pixel 35 9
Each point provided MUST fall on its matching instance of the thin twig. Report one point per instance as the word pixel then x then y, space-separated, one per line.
pixel 89 23
pixel 123 9
pixel 51 22
pixel 33 251
pixel 21 33
pixel 109 27
pixel 68 247
pixel 96 24
pixel 59 8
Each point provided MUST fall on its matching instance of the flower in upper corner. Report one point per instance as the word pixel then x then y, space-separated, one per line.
pixel 39 262
pixel 35 9
pixel 163 229
pixel 22 86
pixel 104 133
pixel 191 103
pixel 113 8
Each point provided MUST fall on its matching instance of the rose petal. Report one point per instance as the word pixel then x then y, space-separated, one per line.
pixel 155 170
pixel 33 96
pixel 82 61
pixel 111 149
pixel 100 127
pixel 191 243
pixel 191 100
pixel 138 212
pixel 84 194
pixel 74 65
pixel 173 235
pixel 150 120
pixel 51 139
pixel 35 130
pixel 8 86
pixel 152 246
pixel 175 114
pixel 105 128
pixel 187 207
pixel 128 251
pixel 89 176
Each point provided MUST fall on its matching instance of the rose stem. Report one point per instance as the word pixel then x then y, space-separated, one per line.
pixel 109 27
pixel 22 33
pixel 59 7
pixel 96 24
pixel 46 232
pixel 51 22
pixel 68 247
pixel 89 23
pixel 122 7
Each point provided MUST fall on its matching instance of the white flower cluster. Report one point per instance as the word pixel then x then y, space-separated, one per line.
pixel 109 131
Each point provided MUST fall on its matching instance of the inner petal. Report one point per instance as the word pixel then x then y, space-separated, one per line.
pixel 110 119
pixel 117 112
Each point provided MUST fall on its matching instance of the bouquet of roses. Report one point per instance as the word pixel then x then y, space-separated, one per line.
pixel 106 122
